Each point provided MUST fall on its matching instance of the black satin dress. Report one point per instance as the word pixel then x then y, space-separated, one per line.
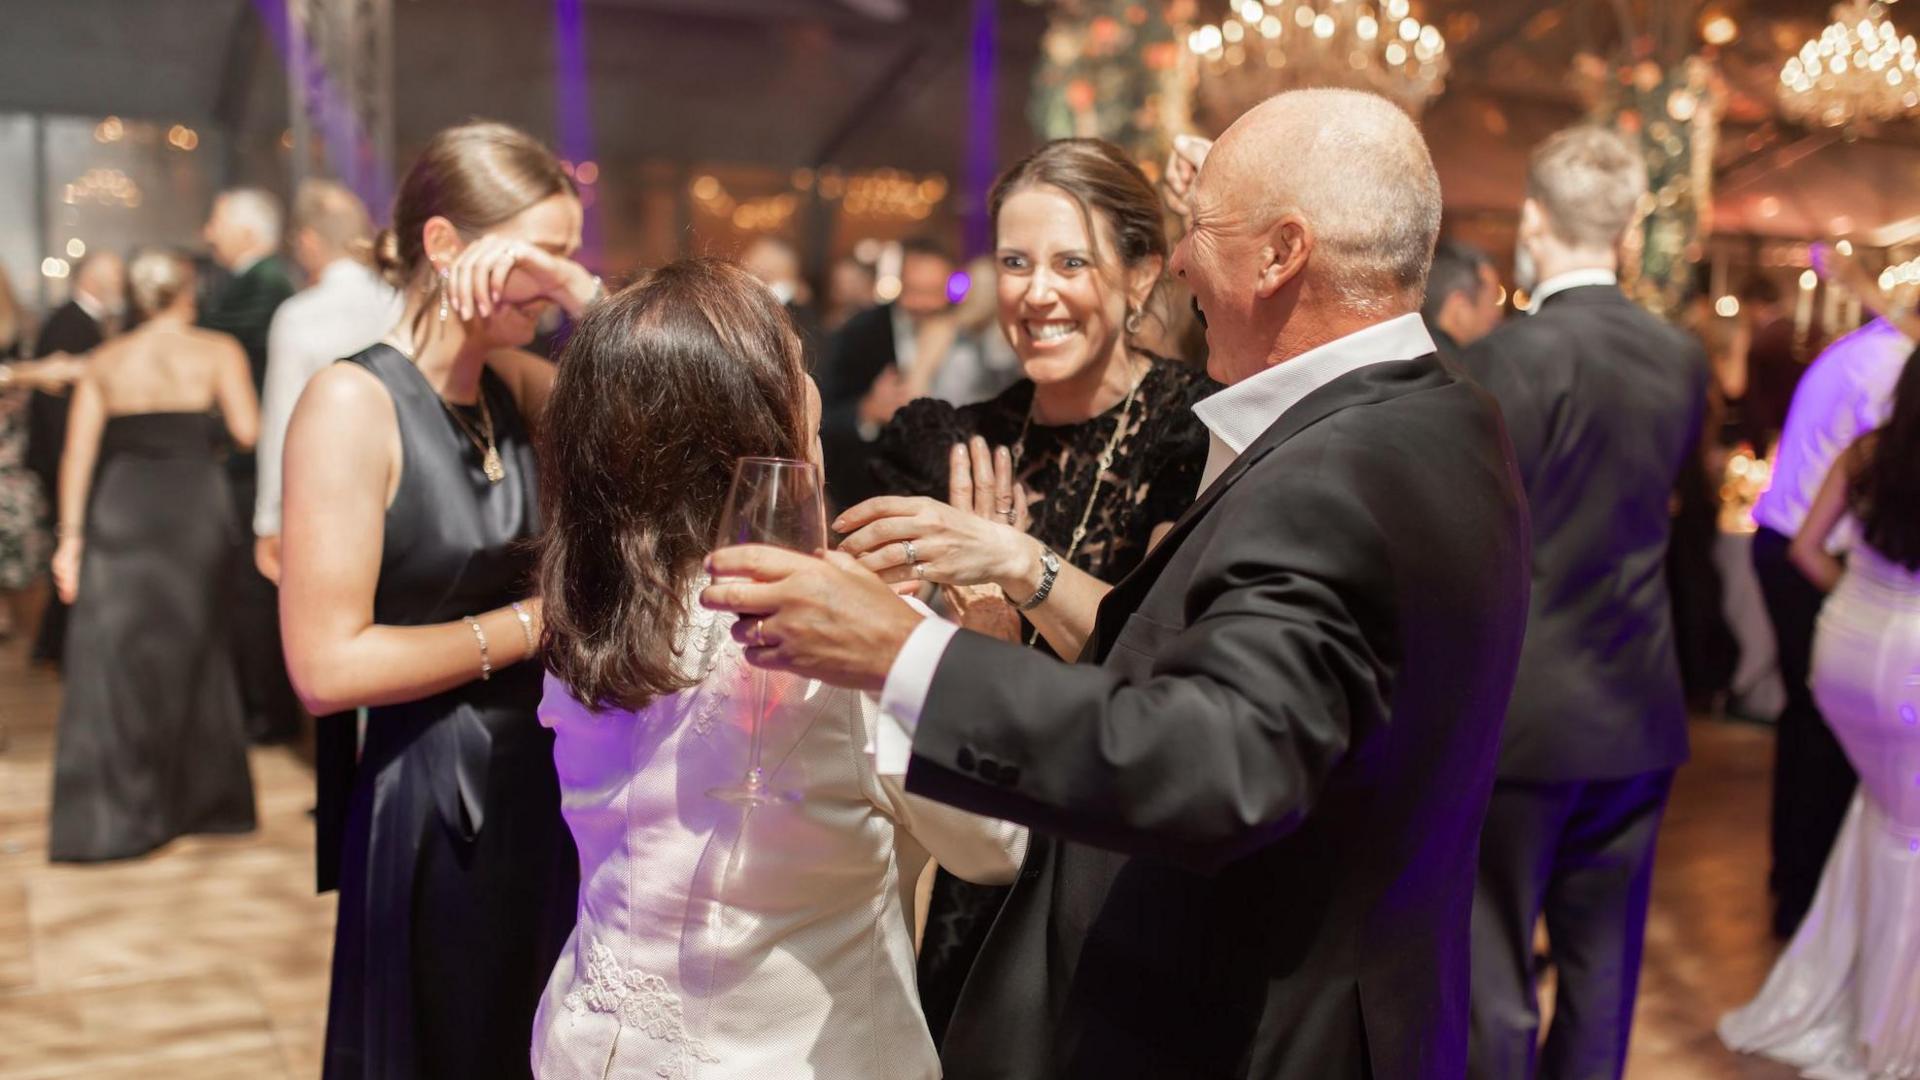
pixel 457 875
pixel 151 744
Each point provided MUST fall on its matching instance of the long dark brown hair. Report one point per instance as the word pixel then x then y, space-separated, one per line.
pixel 662 386
pixel 1886 492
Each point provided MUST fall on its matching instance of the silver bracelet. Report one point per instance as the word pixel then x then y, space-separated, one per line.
pixel 479 635
pixel 526 626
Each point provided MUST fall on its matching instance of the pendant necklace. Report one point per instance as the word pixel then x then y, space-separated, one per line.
pixel 491 464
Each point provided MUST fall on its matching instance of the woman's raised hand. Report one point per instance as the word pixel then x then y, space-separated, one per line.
pixel 976 538
pixel 477 280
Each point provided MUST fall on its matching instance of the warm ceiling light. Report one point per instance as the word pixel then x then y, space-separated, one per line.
pixel 1719 29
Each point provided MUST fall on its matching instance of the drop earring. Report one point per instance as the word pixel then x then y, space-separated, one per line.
pixel 1133 320
pixel 444 290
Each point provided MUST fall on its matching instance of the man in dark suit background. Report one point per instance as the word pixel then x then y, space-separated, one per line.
pixel 861 373
pixel 1257 798
pixel 1464 298
pixel 243 233
pixel 1604 404
pixel 77 327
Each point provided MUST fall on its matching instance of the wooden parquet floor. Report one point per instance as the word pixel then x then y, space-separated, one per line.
pixel 208 960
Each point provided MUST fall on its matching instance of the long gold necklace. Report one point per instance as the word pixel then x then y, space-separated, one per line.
pixel 491 463
pixel 1107 455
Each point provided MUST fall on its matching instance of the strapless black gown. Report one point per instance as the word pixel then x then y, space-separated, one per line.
pixel 458 878
pixel 151 743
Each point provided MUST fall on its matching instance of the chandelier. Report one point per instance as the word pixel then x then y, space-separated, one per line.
pixel 1262 48
pixel 1857 70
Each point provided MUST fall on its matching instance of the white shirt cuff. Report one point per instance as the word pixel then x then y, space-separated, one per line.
pixel 905 694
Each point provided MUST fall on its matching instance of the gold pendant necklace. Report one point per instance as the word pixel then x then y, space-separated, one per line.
pixel 492 466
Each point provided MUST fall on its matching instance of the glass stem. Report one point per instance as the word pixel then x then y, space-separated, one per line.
pixel 755 725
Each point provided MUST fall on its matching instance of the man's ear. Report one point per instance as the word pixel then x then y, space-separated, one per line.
pixel 1289 246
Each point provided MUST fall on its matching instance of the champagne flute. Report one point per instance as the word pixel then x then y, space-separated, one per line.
pixel 774 501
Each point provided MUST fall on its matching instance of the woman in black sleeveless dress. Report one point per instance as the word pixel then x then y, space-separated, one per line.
pixel 411 492
pixel 151 743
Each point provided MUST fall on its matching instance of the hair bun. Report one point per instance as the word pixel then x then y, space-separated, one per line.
pixel 386 256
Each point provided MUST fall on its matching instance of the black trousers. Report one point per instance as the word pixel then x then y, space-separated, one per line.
pixel 266 694
pixel 1581 854
pixel 1812 780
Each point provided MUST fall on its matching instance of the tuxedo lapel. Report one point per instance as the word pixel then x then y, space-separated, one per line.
pixel 1376 382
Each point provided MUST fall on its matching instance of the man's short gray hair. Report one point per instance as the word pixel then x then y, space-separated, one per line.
pixel 255 209
pixel 1364 179
pixel 1589 182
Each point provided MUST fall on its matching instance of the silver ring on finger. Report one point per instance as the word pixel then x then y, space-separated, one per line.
pixel 920 570
pixel 912 558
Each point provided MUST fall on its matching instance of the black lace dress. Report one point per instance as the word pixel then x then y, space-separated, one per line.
pixel 1155 476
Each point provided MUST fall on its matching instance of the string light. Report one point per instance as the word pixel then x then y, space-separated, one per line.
pixel 105 187
pixel 880 195
pixel 182 137
pixel 1906 273
pixel 54 268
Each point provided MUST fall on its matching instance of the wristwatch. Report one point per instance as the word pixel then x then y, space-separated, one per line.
pixel 1049 572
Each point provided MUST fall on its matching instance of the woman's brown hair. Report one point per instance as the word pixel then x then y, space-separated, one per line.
pixel 476 176
pixel 1106 184
pixel 662 386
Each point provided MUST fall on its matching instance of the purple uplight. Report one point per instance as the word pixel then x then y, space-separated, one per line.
pixel 983 131
pixel 958 286
pixel 573 109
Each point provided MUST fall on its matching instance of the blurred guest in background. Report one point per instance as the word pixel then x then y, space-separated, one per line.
pixel 1846 392
pixel 25 537
pixel 1465 300
pixel 1099 437
pixel 1604 403
pixel 777 265
pixel 243 232
pixel 849 292
pixel 863 373
pixel 410 499
pixel 966 356
pixel 150 743
pixel 94 313
pixel 1773 365
pixel 345 308
pixel 1843 1001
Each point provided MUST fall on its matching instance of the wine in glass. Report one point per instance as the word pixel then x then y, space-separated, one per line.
pixel 774 501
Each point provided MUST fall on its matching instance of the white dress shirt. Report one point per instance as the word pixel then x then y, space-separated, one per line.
pixel 1234 418
pixel 345 311
pixel 1846 392
pixel 1572 279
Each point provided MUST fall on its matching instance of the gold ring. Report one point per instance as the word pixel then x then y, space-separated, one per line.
pixel 759 638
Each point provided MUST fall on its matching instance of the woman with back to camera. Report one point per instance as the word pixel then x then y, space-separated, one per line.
pixel 1070 475
pixel 151 743
pixel 1844 999
pixel 713 940
pixel 410 496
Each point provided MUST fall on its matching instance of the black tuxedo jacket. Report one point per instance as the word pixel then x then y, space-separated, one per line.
pixel 70 330
pixel 1257 800
pixel 855 356
pixel 244 307
pixel 1604 403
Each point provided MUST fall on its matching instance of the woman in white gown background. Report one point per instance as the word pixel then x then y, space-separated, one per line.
pixel 1843 1001
pixel 713 940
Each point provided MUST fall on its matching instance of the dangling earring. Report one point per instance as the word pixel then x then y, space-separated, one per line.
pixel 444 290
pixel 1133 319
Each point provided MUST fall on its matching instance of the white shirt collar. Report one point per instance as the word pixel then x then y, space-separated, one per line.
pixel 1241 413
pixel 1572 279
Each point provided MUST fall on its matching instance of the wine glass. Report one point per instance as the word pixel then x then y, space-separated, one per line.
pixel 774 501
